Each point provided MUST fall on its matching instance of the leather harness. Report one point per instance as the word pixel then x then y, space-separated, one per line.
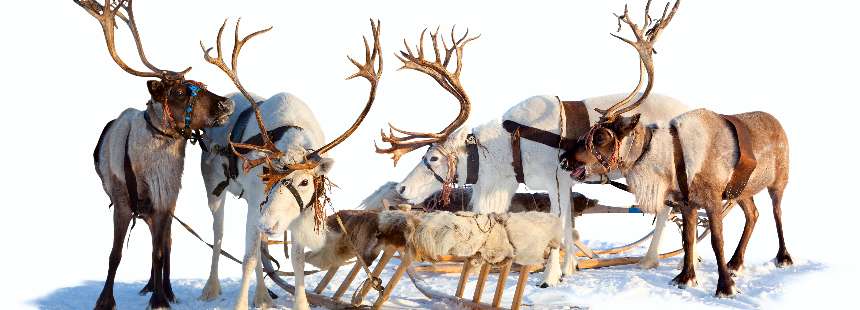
pixel 473 160
pixel 576 124
pixel 236 134
pixel 743 168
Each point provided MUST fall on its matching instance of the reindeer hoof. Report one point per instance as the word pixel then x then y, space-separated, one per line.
pixel 735 268
pixel 685 280
pixel 105 303
pixel 146 289
pixel 649 264
pixel 158 301
pixel 263 300
pixel 783 260
pixel 543 285
pixel 211 291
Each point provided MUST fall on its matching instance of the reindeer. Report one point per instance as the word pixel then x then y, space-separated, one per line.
pixel 140 155
pixel 494 182
pixel 283 175
pixel 699 161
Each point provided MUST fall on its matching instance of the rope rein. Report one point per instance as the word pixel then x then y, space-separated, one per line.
pixel 375 282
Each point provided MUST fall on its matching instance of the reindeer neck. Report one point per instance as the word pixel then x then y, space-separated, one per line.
pixel 155 122
pixel 303 228
pixel 656 158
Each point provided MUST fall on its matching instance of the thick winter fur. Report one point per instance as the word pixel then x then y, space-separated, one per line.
pixel 338 247
pixel 279 110
pixel 525 237
pixel 149 160
pixel 460 197
pixel 710 154
pixel 496 181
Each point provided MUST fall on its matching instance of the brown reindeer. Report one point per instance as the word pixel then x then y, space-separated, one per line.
pixel 701 160
pixel 140 155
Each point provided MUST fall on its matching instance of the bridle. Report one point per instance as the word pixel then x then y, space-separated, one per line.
pixel 452 160
pixel 185 131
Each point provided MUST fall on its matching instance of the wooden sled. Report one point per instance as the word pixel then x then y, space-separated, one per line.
pixel 316 298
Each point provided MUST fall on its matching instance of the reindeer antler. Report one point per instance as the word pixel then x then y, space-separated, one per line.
pixel 370 71
pixel 450 81
pixel 106 14
pixel 268 147
pixel 644 45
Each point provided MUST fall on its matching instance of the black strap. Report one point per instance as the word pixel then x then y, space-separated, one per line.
pixel 517 155
pixel 274 134
pixel 539 135
pixel 435 175
pixel 236 135
pixel 472 159
pixel 131 182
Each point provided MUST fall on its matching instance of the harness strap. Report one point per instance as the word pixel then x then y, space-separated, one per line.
pixel 296 196
pixel 516 151
pixel 472 159
pixel 236 135
pixel 154 128
pixel 274 135
pixel 746 158
pixel 435 175
pixel 680 167
pixel 538 135
pixel 131 183
pixel 577 121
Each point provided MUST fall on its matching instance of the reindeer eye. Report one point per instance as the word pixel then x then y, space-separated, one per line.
pixel 304 183
pixel 434 158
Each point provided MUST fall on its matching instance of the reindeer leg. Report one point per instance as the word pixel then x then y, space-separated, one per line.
pixel 783 259
pixel 252 243
pixel 568 224
pixel 736 264
pixel 262 299
pixel 725 283
pixel 121 219
pixel 148 287
pixel 687 277
pixel 167 242
pixel 297 258
pixel 650 260
pixel 212 289
pixel 158 300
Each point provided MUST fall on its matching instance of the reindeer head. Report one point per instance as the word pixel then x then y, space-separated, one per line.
pixel 599 150
pixel 294 178
pixel 438 167
pixel 185 105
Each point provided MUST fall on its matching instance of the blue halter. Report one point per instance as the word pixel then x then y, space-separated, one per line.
pixel 193 89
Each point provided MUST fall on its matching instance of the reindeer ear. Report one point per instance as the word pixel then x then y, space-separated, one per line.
pixel 156 89
pixel 602 137
pixel 625 125
pixel 325 166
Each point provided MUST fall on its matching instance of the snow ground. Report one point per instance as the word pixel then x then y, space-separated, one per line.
pixel 792 59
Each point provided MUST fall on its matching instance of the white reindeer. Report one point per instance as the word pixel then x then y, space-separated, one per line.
pixel 284 174
pixel 496 179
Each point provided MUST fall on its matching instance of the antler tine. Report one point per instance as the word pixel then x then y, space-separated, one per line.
pixel 105 14
pixel 268 147
pixel 644 45
pixel 369 70
pixel 449 81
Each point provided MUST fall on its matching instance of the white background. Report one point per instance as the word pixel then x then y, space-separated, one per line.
pixel 796 60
